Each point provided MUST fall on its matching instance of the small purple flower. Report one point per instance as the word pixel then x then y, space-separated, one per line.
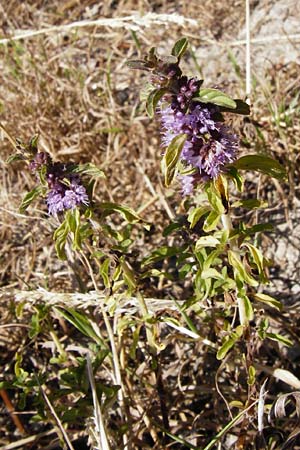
pixel 66 189
pixel 209 145
pixel 63 197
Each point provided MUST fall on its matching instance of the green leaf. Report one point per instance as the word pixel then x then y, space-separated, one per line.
pixel 171 227
pixel 258 228
pixel 211 221
pixel 246 306
pixel 229 342
pixel 30 196
pixel 268 300
pixel 206 241
pixel 250 203
pixel 211 259
pixel 180 47
pixel 104 272
pixel 261 163
pixel 127 213
pixel 161 253
pixel 171 157
pixel 152 100
pixel 195 215
pixel 215 97
pixel 72 218
pixel 237 264
pixel 128 275
pixel 241 108
pixel 89 169
pixel 277 337
pixel 236 178
pixel 146 91
pixel 33 143
pixel 211 273
pixel 258 260
pixel 81 322
pixel 251 376
pixel 60 238
pixel 15 157
pixel 214 199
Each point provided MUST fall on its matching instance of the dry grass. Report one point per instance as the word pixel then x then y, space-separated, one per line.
pixel 70 83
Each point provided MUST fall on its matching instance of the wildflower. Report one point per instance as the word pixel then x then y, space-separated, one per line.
pixel 209 145
pixel 63 197
pixel 65 188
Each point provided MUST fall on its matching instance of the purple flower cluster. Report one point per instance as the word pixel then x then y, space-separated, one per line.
pixel 65 188
pixel 209 145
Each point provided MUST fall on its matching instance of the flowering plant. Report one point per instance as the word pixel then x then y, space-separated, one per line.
pixel 202 151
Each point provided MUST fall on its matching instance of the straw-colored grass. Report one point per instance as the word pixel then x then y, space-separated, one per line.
pixel 63 74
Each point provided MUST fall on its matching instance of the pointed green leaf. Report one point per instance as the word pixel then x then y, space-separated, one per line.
pixel 33 143
pixel 214 198
pixel 250 203
pixel 211 273
pixel 196 214
pixel 258 260
pixel 180 47
pixel 268 300
pixel 279 338
pixel 211 222
pixel 229 342
pixel 251 376
pixel 261 163
pixel 146 91
pixel 15 157
pixel 161 253
pixel 171 157
pixel 236 178
pixel 30 196
pixel 258 228
pixel 215 97
pixel 60 238
pixel 127 213
pixel 128 275
pixel 89 169
pixel 247 308
pixel 153 99
pixel 241 108
pixel 237 264
pixel 104 272
pixel 72 218
pixel 206 241
pixel 81 322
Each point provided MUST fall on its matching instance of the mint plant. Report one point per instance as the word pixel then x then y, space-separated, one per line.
pixel 216 258
pixel 202 151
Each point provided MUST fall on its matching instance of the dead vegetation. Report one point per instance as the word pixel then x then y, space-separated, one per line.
pixel 72 86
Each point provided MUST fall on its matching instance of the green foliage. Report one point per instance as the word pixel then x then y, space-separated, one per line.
pixel 180 47
pixel 268 300
pixel 196 214
pixel 216 97
pixel 30 197
pixel 89 169
pixel 152 100
pixel 128 214
pixel 171 157
pixel 229 342
pixel 82 323
pixel 261 163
